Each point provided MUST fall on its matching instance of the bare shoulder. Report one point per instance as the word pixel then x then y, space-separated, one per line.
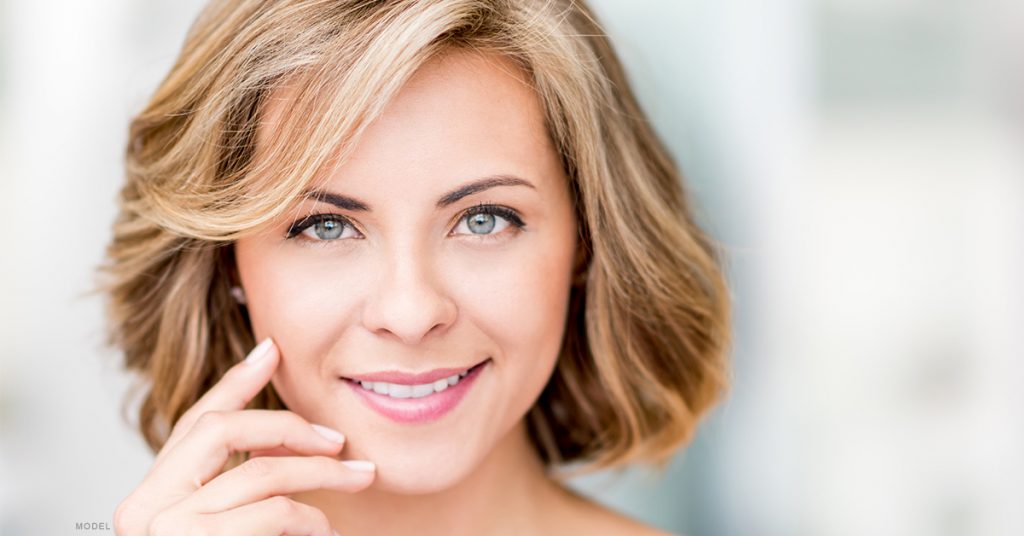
pixel 585 516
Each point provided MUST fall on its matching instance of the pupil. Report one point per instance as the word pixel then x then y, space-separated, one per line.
pixel 481 222
pixel 329 229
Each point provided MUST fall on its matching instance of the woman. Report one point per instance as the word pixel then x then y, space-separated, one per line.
pixel 469 260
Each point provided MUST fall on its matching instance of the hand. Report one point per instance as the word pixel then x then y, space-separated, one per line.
pixel 186 492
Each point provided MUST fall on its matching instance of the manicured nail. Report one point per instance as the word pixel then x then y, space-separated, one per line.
pixel 359 465
pixel 259 352
pixel 329 433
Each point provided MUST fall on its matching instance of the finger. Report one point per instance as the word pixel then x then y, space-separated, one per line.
pixel 202 453
pixel 233 391
pixel 260 478
pixel 271 517
pixel 276 451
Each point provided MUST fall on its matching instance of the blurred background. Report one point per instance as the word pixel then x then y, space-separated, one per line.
pixel 860 160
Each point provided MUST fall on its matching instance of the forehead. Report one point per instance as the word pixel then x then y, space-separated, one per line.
pixel 461 115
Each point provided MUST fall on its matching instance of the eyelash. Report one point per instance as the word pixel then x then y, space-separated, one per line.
pixel 512 216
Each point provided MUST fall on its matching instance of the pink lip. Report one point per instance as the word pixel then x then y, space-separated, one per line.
pixel 419 410
pixel 405 378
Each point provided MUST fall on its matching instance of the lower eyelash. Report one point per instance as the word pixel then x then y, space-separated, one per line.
pixel 309 221
pixel 300 226
pixel 498 210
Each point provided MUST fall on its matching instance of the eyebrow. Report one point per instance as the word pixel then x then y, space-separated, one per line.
pixel 479 185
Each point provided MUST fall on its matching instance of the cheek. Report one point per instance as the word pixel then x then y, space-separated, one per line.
pixel 520 301
pixel 303 304
pixel 300 300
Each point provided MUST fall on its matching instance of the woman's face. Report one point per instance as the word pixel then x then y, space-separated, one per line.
pixel 404 275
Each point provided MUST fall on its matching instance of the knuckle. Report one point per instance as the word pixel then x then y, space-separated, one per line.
pixel 257 467
pixel 313 517
pixel 294 418
pixel 283 506
pixel 308 517
pixel 210 420
pixel 125 516
pixel 188 417
pixel 319 517
pixel 186 422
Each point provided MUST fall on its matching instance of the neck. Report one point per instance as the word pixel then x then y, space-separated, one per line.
pixel 508 493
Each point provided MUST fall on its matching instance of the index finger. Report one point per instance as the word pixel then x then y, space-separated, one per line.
pixel 234 390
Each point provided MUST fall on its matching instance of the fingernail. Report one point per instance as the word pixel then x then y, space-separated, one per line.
pixel 329 433
pixel 259 352
pixel 359 465
pixel 335 532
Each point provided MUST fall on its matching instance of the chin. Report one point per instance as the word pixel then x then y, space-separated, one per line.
pixel 414 474
pixel 410 459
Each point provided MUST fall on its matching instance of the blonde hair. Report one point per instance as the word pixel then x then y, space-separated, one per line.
pixel 645 351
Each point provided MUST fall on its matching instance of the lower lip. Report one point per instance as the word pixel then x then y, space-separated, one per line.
pixel 419 410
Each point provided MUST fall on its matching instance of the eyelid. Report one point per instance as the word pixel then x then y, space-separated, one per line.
pixel 300 226
pixel 297 228
pixel 489 208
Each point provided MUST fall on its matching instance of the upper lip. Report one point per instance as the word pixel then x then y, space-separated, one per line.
pixel 409 378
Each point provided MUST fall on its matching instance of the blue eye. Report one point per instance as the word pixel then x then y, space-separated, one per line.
pixel 481 220
pixel 322 227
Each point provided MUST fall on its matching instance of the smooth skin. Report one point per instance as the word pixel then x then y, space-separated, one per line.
pixel 185 491
pixel 408 283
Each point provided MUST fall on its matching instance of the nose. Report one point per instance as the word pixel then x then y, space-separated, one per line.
pixel 408 303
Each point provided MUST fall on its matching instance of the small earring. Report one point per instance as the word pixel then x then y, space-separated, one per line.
pixel 239 294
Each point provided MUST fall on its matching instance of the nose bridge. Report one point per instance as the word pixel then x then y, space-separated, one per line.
pixel 408 301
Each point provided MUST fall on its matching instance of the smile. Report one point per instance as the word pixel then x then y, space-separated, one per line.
pixel 397 390
pixel 419 402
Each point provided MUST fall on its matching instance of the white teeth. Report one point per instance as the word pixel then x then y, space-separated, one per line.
pixel 420 391
pixel 396 390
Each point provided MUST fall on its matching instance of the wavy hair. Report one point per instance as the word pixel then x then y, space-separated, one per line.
pixel 645 351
